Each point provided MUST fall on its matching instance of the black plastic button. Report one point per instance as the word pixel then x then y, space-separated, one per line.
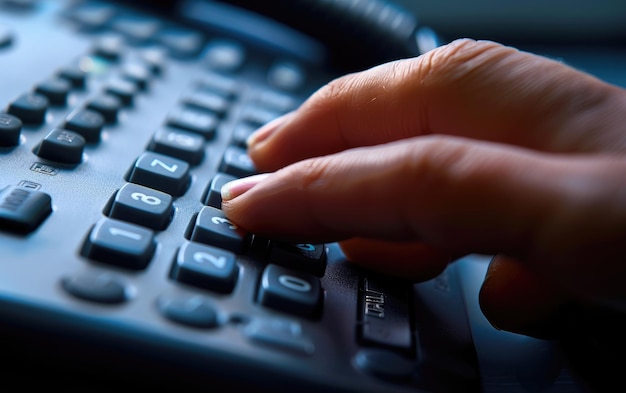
pixel 213 194
pixel 96 287
pixel 30 108
pixel 236 162
pixel 290 291
pixel 107 105
pixel 385 313
pixel 120 243
pixel 87 123
pixel 306 257
pixel 180 144
pixel 10 129
pixel 75 75
pixel 161 172
pixel 55 89
pixel 123 89
pixel 191 310
pixel 61 146
pixel 205 267
pixel 23 210
pixel 194 120
pixel 211 226
pixel 281 334
pixel 142 206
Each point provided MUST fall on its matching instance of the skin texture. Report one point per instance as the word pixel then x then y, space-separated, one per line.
pixel 473 147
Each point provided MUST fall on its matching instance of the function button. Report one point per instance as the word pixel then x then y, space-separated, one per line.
pixel 75 75
pixel 240 134
pixel 224 55
pixel 208 101
pixel 6 36
pixel 61 146
pixel 276 101
pixel 181 144
pixel 190 310
pixel 205 267
pixel 30 108
pixel 155 59
pixel 281 334
pixel 85 122
pixel 210 226
pixel 137 73
pixel 109 47
pixel 223 85
pixel 96 287
pixel 286 76
pixel 385 318
pixel 181 43
pixel 136 29
pixel 213 193
pixel 124 90
pixel 142 205
pixel 236 162
pixel 161 172
pixel 92 16
pixel 307 257
pixel 290 291
pixel 10 129
pixel 23 210
pixel 119 243
pixel 107 105
pixel 55 89
pixel 258 116
pixel 200 122
pixel 384 364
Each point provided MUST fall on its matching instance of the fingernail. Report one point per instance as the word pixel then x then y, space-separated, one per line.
pixel 265 131
pixel 233 189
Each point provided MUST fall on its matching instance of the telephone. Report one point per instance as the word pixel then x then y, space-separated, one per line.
pixel 99 292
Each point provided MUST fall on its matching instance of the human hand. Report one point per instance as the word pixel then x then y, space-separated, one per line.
pixel 473 147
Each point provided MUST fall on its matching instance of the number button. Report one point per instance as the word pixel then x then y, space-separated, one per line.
pixel 181 144
pixel 205 267
pixel 142 205
pixel 307 257
pixel 161 172
pixel 236 162
pixel 211 227
pixel 120 243
pixel 290 291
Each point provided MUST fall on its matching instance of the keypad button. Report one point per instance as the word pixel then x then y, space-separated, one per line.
pixel 181 43
pixel 98 287
pixel 212 227
pixel 202 123
pixel 258 116
pixel 137 73
pixel 10 129
pixel 224 55
pixel 120 243
pixel 107 105
pixel 154 58
pixel 236 162
pixel 143 206
pixel 286 76
pixel 87 123
pixel 136 30
pixel 205 267
pixel 306 257
pixel 62 146
pixel 75 75
pixel 55 89
pixel 6 36
pixel 92 16
pixel 190 310
pixel 205 100
pixel 30 108
pixel 161 172
pixel 123 89
pixel 290 291
pixel 223 85
pixel 240 134
pixel 281 334
pixel 274 100
pixel 109 47
pixel 385 319
pixel 23 210
pixel 213 193
pixel 181 144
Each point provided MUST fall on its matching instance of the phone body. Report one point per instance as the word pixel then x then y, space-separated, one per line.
pixel 445 344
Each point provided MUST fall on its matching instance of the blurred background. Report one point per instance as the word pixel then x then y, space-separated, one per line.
pixel 588 34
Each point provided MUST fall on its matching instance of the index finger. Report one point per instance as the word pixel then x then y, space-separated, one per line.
pixel 482 90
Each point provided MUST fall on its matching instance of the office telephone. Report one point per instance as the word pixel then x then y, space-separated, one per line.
pixel 117 269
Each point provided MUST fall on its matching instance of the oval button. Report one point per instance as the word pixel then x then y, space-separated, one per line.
pixel 190 310
pixel 96 287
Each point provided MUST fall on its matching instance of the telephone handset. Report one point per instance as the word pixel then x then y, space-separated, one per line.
pixel 354 34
